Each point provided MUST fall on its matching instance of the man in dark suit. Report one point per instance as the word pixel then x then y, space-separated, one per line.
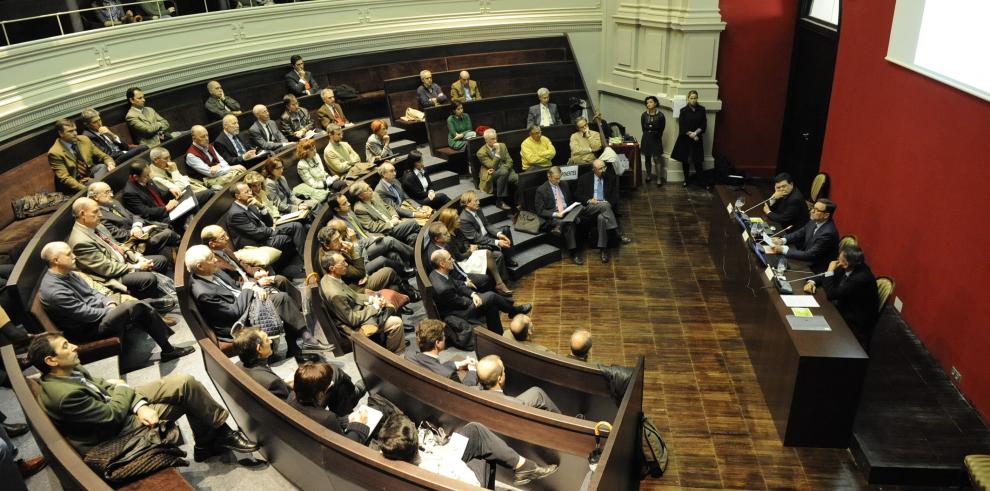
pixel 264 132
pixel 144 198
pixel 550 202
pixel 544 113
pixel 216 238
pixel 430 336
pixel 850 285
pixel 599 192
pixel 220 104
pixel 815 243
pixel 439 239
pixel 299 81
pixel 478 230
pixel 75 160
pixel 418 186
pixel 491 377
pixel 454 297
pixel 254 347
pixel 145 236
pixel 786 207
pixel 251 225
pixel 88 410
pixel 232 148
pixel 106 140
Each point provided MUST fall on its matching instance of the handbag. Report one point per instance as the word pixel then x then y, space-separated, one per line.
pixel 528 222
pixel 262 314
pixel 136 453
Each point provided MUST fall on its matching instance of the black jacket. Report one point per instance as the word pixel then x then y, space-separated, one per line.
pixel 220 307
pixel 139 201
pixel 355 431
pixel 248 227
pixel 792 210
pixel 448 370
pixel 414 188
pixel 586 189
pixel 546 204
pixel 856 298
pixel 452 296
pixel 475 234
pixel 264 375
pixel 112 148
pixel 227 151
pixel 818 249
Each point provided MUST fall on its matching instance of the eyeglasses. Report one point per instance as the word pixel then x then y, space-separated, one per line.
pixel 818 210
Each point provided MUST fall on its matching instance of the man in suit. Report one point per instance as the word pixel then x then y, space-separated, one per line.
pixel 232 148
pixel 254 348
pixel 550 202
pixel 89 410
pixel 251 225
pixel 376 216
pixel 496 175
pixel 454 297
pixel 330 113
pixel 220 104
pixel 341 158
pixel 491 377
pixel 786 207
pixel 439 239
pixel 371 316
pixel 585 144
pixel 418 186
pixel 144 198
pixel 479 231
pixel 87 315
pixel 850 286
pixel 146 125
pixel 74 159
pixel 391 192
pixel 544 113
pixel 378 274
pixel 429 94
pixel 106 140
pixel 223 303
pixel 165 173
pixel 264 132
pixel 150 237
pixel 299 81
pixel 205 159
pixel 216 238
pixel 536 151
pixel 430 336
pixel 815 243
pixel 464 89
pixel 368 245
pixel 599 192
pixel 99 255
pixel 295 122
pixel 521 331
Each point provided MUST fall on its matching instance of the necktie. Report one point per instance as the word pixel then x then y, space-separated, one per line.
pixel 115 211
pixel 599 194
pixel 110 242
pixel 238 147
pixel 467 93
pixel 356 225
pixel 395 193
pixel 481 224
pixel 268 133
pixel 560 199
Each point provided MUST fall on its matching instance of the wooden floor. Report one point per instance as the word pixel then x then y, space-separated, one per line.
pixel 660 297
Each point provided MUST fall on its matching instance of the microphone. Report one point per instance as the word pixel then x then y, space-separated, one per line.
pixel 782 230
pixel 758 204
pixel 784 285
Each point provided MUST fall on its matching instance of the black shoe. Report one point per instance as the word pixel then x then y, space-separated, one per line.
pixel 227 440
pixel 524 308
pixel 15 430
pixel 177 353
pixel 405 310
pixel 315 345
pixel 624 239
pixel 529 473
pixel 685 183
pixel 510 263
pixel 304 357
pixel 605 256
pixel 577 259
pixel 411 292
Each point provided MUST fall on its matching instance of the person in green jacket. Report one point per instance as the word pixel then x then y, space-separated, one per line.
pixel 459 127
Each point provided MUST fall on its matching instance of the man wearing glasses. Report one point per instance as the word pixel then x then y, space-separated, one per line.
pixel 816 243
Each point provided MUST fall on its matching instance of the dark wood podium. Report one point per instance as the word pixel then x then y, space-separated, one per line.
pixel 811 380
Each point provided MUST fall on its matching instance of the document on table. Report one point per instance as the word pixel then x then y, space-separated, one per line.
pixel 374 416
pixel 571 212
pixel 799 301
pixel 182 208
pixel 813 323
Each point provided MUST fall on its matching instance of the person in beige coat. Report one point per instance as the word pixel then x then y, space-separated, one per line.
pixel 147 126
pixel 74 159
pixel 464 89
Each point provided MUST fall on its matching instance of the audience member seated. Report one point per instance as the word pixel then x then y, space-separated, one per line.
pixel 251 225
pixel 99 255
pixel 850 286
pixel 581 345
pixel 521 331
pixel 74 159
pixel 14 472
pixel 216 238
pixel 158 10
pixel 231 147
pixel 598 191
pixel 144 237
pixel 459 127
pixel 220 104
pixel 477 230
pixel 298 80
pixel 536 151
pixel 816 242
pixel 165 173
pixel 377 216
pixel 390 191
pixel 551 201
pixel 87 315
pixel 104 139
pixel 431 338
pixel 143 197
pixel 491 377
pixel 89 410
pixel 454 297
pixel 370 316
pixel 278 190
pixel 112 13
pixel 146 125
pixel 316 182
pixel 418 186
pixel 786 206
pixel 256 182
pixel 376 149
pixel 429 94
pixel 313 384
pixel 254 348
pixel 401 441
pixel 223 303
pixel 369 245
pixel 544 113
pixel 472 263
pixel 295 123
pixel 330 113
pixel 464 89
pixel 375 275
pixel 497 175
pixel 203 158
pixel 342 160
pixel 264 132
pixel 585 144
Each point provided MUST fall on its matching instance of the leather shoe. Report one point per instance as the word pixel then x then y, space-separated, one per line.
pixel 556 231
pixel 405 310
pixel 605 255
pixel 577 259
pixel 625 240
pixel 510 263
pixel 315 345
pixel 177 353
pixel 312 357
pixel 530 472
pixel 503 290
pixel 169 321
pixel 503 205
pixel 31 467
pixel 524 308
pixel 228 440
pixel 15 430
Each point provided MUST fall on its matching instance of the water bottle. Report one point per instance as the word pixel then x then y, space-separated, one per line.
pixel 740 202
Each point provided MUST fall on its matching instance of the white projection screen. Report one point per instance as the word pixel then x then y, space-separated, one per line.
pixel 948 40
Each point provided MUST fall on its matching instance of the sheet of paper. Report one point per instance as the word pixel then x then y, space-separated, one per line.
pixel 745 236
pixel 801 312
pixel 799 300
pixel 728 208
pixel 183 207
pixel 456 444
pixel 571 207
pixel 374 416
pixel 755 220
pixel 769 273
pixel 813 323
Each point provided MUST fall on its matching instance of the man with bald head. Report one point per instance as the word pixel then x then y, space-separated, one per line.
pixel 429 94
pixel 464 89
pixel 220 104
pixel 580 345
pixel 203 158
pixel 131 231
pixel 391 192
pixel 217 239
pixel 521 331
pixel 491 378
pixel 264 132
pixel 330 112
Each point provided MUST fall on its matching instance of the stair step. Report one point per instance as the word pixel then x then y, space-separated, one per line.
pixel 403 146
pixel 520 240
pixel 444 179
pixel 533 258
pixel 494 214
pixel 463 186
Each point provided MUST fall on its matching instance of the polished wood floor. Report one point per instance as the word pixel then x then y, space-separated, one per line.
pixel 660 297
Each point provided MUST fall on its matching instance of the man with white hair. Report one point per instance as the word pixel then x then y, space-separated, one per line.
pixel 330 112
pixel 390 190
pixel 429 94
pixel 464 89
pixel 372 316
pixel 232 147
pixel 106 140
pixel 165 173
pixel 128 229
pixel 454 297
pixel 203 158
pixel 264 132
pixel 544 113
pixel 377 216
pixel 220 104
pixel 497 175
pixel 87 315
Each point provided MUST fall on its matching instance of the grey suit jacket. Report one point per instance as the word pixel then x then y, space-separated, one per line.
pixel 534 114
pixel 394 197
pixel 222 108
pixel 483 236
pixel 258 138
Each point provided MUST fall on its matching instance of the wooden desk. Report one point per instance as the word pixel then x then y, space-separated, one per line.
pixel 811 380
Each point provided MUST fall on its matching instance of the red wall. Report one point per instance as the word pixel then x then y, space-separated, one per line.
pixel 754 61
pixel 909 159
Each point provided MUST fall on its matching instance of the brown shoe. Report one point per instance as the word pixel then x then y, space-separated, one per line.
pixel 169 321
pixel 31 467
pixel 503 290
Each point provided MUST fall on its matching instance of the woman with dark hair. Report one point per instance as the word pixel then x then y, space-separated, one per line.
pixel 458 127
pixel 651 146
pixel 376 149
pixel 312 387
pixel 278 190
pixel 316 181
pixel 690 148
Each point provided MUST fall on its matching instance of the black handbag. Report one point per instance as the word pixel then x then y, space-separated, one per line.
pixel 136 453
pixel 528 222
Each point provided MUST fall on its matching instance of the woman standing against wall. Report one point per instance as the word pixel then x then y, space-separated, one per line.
pixel 651 145
pixel 689 148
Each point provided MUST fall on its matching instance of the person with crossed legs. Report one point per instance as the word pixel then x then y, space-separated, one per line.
pixel 454 297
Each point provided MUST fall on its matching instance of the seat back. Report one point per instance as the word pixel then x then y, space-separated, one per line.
pixel 848 240
pixel 819 187
pixel 885 288
pixel 88 352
